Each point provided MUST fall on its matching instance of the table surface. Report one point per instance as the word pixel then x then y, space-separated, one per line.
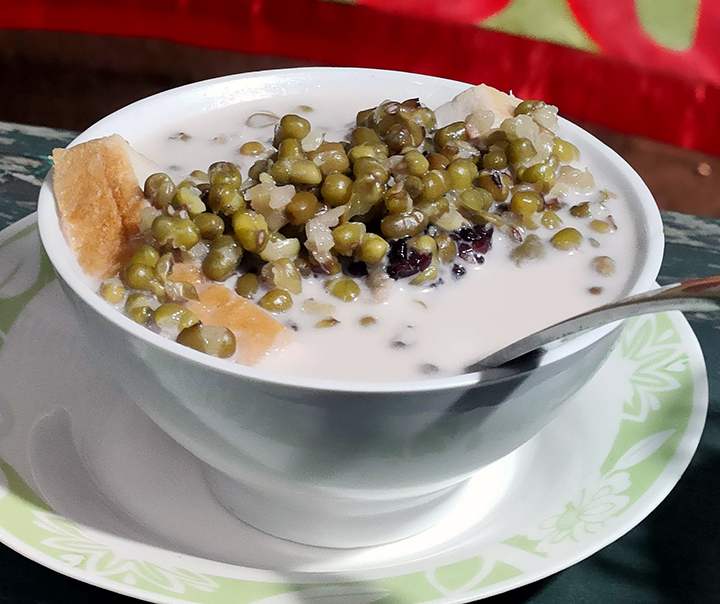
pixel 672 556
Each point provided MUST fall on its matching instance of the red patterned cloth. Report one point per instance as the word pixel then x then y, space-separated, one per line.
pixel 617 63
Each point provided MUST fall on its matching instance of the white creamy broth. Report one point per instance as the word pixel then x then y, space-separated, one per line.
pixel 418 332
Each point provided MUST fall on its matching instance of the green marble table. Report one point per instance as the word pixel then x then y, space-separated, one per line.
pixel 671 557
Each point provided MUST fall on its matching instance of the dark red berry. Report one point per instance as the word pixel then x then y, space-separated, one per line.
pixel 473 242
pixel 465 252
pixel 467 234
pixel 405 262
pixel 480 246
pixel 357 269
pixel 458 271
pixel 398 251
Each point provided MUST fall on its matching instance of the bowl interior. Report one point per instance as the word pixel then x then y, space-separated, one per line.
pixel 353 89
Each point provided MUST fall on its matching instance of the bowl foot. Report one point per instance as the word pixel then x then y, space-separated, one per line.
pixel 327 520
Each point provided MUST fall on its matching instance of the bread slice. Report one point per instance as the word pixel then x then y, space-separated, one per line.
pixel 255 330
pixel 99 200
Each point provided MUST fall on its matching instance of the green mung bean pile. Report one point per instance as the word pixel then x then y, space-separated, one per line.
pixel 401 199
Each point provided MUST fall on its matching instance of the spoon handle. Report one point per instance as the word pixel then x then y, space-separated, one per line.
pixel 693 295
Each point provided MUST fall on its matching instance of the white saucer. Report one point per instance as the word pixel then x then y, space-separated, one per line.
pixel 93 489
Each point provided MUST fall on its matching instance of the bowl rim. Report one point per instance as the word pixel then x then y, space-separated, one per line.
pixel 51 235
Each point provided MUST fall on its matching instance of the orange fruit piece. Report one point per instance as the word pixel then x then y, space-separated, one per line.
pixel 99 200
pixel 255 330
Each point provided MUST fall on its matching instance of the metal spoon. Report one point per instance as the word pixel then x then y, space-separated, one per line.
pixel 694 295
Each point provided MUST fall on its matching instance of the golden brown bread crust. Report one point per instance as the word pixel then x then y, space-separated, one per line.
pixel 99 200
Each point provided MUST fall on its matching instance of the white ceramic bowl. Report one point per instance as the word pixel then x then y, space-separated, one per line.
pixel 333 463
